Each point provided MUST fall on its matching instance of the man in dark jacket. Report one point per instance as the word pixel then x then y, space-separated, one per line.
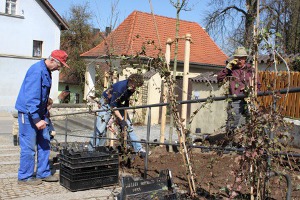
pixel 239 74
pixel 118 96
pixel 32 108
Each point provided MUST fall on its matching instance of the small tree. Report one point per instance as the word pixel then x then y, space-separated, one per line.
pixel 78 39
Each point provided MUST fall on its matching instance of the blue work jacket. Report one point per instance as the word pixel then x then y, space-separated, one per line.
pixel 120 94
pixel 34 92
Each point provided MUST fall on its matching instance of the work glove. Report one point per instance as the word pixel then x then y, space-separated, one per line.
pixel 123 124
pixel 247 99
pixel 231 64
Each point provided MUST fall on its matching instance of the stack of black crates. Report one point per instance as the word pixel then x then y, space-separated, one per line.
pixel 82 170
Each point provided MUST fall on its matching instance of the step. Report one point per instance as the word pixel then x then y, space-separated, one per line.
pixel 9 148
pixel 9 155
pixel 3 145
pixel 9 151
pixel 9 175
pixel 9 162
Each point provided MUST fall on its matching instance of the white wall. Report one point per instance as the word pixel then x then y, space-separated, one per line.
pixel 154 94
pixel 213 116
pixel 89 86
pixel 33 22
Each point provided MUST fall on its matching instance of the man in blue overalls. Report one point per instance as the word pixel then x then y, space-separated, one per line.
pixel 32 107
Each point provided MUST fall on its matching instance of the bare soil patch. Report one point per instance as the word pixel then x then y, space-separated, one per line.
pixel 213 172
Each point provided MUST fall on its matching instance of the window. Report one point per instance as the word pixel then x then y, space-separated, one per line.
pixel 37 48
pixel 11 6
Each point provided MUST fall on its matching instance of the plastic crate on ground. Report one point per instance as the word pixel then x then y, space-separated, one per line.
pixel 88 169
pixel 90 172
pixel 99 157
pixel 88 183
pixel 160 188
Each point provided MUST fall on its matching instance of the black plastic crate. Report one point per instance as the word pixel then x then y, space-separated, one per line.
pixel 99 157
pixel 150 195
pixel 89 173
pixel 89 164
pixel 89 183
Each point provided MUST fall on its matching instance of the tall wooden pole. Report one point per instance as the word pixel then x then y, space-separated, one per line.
pixel 164 108
pixel 256 53
pixel 254 84
pixel 186 70
pixel 174 72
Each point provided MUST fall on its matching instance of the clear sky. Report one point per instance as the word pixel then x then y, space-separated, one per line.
pixel 101 9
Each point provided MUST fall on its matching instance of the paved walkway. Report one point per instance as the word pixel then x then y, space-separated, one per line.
pixel 9 163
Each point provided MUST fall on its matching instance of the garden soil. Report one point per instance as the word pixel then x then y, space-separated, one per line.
pixel 213 174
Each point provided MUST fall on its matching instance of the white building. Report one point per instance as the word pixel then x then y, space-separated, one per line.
pixel 30 31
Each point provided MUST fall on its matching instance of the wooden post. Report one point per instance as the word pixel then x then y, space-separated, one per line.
pixel 111 135
pixel 164 108
pixel 185 82
pixel 186 70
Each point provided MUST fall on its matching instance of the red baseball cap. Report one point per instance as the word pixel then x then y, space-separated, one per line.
pixel 61 56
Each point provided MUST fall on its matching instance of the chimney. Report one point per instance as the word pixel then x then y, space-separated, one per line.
pixel 107 31
pixel 96 31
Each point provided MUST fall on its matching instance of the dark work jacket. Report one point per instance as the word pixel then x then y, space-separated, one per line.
pixel 118 95
pixel 239 78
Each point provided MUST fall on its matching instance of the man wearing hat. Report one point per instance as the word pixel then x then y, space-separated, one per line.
pixel 32 107
pixel 239 74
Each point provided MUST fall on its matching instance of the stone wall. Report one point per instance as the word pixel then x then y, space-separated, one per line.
pixel 57 112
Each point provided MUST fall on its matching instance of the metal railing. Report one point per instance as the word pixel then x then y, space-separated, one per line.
pixel 213 98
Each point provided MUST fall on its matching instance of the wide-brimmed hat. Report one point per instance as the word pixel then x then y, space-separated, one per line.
pixel 240 52
pixel 61 56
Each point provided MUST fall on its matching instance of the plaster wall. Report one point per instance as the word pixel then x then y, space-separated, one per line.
pixel 212 117
pixel 31 22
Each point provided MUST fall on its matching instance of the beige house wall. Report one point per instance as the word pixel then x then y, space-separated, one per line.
pixel 153 97
pixel 212 117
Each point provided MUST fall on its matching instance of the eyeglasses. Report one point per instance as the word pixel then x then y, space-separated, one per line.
pixel 57 61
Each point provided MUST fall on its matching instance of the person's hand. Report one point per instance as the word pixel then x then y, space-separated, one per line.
pixel 231 64
pixel 41 125
pixel 123 124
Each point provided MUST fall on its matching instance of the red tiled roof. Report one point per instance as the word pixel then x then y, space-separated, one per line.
pixel 139 27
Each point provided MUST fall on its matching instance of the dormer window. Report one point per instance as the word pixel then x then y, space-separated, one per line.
pixel 11 7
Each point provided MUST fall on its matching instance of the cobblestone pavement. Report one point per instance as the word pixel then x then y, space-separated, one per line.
pixel 9 163
pixel 9 188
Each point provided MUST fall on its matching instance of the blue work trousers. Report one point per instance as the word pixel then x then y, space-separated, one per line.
pixel 33 140
pixel 101 127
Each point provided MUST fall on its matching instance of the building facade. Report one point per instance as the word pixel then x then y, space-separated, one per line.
pixel 30 30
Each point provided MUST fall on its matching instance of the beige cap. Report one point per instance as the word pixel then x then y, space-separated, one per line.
pixel 240 52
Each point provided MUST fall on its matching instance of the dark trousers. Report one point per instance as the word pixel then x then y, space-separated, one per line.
pixel 237 111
